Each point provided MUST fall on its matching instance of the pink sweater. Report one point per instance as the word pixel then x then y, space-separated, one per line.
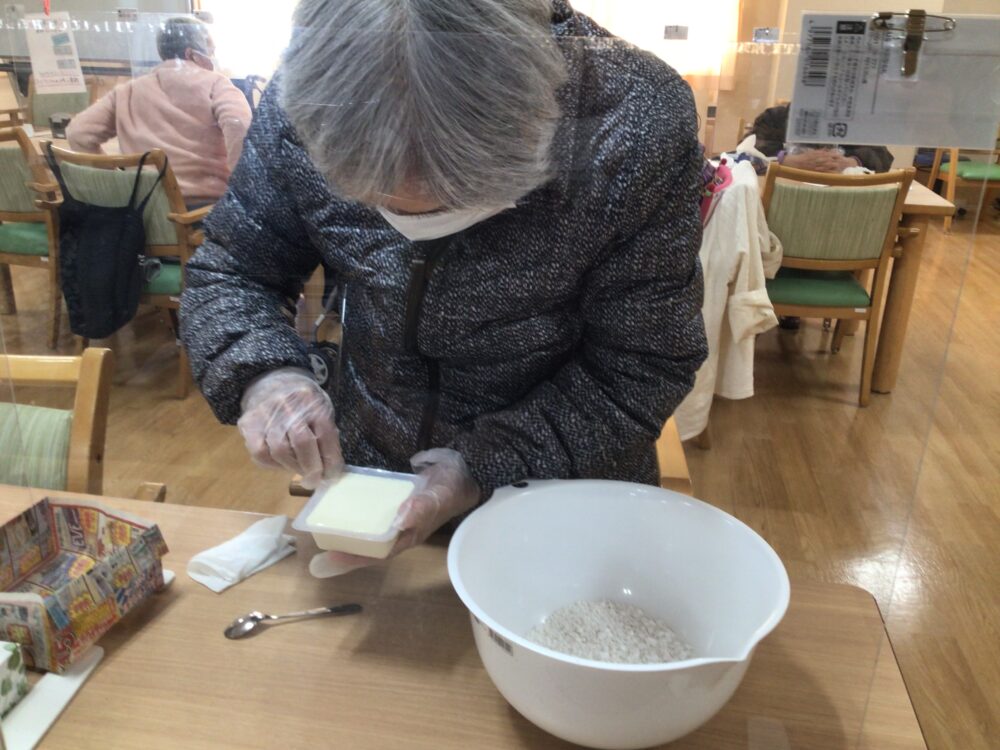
pixel 195 115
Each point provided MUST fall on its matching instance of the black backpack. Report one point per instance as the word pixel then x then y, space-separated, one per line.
pixel 102 263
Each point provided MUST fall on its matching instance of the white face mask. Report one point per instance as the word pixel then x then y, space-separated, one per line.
pixel 420 227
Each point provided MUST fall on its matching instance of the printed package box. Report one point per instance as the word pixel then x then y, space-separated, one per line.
pixel 69 570
pixel 13 680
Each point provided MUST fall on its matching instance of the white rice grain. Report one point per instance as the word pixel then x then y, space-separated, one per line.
pixel 612 632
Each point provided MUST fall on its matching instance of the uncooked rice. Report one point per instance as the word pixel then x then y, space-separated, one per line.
pixel 610 631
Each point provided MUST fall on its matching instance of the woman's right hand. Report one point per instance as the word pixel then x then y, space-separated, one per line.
pixel 287 423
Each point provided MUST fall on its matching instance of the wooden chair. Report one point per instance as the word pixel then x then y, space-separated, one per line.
pixel 13 117
pixel 834 228
pixel 28 234
pixel 977 174
pixel 54 448
pixel 171 230
pixel 674 474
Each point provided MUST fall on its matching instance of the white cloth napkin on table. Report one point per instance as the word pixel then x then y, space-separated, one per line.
pixel 260 546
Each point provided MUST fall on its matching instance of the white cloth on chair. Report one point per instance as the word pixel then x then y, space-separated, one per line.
pixel 738 253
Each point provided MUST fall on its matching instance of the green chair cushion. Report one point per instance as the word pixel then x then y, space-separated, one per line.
pixel 24 238
pixel 793 286
pixel 975 170
pixel 167 281
pixel 34 446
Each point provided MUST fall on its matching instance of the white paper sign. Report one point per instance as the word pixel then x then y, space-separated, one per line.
pixel 55 63
pixel 675 32
pixel 766 35
pixel 849 86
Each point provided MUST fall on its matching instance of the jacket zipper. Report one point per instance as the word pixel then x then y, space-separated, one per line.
pixel 421 269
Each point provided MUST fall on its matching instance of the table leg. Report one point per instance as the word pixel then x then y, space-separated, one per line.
pixel 898 300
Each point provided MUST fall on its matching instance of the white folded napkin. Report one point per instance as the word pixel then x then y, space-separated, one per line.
pixel 260 546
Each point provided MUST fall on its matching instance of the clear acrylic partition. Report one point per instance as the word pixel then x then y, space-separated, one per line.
pixel 859 496
pixel 844 494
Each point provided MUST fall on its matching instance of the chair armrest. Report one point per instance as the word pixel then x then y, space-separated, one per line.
pixel 45 188
pixel 191 217
pixel 48 205
pixel 15 113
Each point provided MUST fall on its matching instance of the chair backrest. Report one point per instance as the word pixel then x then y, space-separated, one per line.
pixel 53 448
pixel 34 446
pixel 16 171
pixel 824 220
pixel 107 180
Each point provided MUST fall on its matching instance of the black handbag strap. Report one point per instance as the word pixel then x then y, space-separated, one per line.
pixel 138 177
pixel 54 166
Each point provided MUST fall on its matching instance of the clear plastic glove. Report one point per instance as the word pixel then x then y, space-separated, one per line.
pixel 446 490
pixel 287 423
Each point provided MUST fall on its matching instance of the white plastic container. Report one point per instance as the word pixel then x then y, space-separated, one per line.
pixel 354 512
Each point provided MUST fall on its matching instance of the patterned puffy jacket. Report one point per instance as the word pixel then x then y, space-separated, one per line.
pixel 550 341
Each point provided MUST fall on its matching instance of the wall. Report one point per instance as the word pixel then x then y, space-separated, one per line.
pixel 753 84
pixel 706 59
pixel 250 38
pixel 762 79
pixel 989 7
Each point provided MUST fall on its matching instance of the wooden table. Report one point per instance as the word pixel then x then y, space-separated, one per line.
pixel 921 204
pixel 406 674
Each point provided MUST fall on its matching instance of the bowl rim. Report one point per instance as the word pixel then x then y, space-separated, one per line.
pixel 510 494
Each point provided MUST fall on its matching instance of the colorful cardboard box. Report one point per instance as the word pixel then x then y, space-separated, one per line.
pixel 13 679
pixel 69 570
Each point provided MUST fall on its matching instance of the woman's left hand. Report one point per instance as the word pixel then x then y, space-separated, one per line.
pixel 447 489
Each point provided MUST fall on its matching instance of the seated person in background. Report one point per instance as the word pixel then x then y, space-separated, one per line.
pixel 194 114
pixel 771 125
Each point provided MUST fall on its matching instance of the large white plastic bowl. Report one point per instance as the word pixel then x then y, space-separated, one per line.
pixel 529 551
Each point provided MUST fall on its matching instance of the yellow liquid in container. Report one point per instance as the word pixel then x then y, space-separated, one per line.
pixel 354 513
pixel 364 504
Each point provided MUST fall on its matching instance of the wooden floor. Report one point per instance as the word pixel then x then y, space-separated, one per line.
pixel 901 498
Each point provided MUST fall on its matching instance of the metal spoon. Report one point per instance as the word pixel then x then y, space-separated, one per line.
pixel 244 626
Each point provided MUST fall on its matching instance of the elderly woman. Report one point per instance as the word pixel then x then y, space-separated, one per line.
pixel 508 198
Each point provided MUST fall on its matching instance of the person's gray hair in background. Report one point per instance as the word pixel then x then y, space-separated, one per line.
pixel 178 35
pixel 453 99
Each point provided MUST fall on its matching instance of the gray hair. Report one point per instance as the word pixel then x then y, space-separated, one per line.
pixel 456 98
pixel 178 35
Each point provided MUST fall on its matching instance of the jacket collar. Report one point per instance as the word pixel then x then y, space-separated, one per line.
pixel 561 11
